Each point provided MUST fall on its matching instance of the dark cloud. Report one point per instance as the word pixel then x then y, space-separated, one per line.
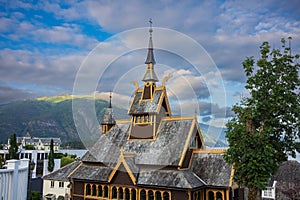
pixel 8 94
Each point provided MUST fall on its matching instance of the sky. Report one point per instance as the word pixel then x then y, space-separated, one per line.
pixel 53 47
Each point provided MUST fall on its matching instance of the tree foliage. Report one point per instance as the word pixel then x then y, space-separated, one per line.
pixel 266 126
pixel 13 147
pixel 51 157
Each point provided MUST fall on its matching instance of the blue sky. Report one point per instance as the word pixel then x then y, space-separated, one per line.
pixel 44 43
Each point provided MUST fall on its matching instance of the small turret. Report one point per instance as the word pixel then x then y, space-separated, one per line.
pixel 108 120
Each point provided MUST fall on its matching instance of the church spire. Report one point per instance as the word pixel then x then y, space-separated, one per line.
pixel 109 105
pixel 150 75
pixel 108 120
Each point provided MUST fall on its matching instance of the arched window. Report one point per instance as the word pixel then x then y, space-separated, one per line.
pixel 127 194
pixel 94 190
pixel 166 196
pixel 133 194
pixel 114 193
pixel 210 195
pixel 199 195
pixel 158 195
pixel 219 196
pixel 143 195
pixel 88 189
pixel 120 191
pixel 105 191
pixel 195 196
pixel 100 194
pixel 150 195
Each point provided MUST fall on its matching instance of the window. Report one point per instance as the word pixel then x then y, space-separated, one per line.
pixel 193 143
pixel 143 195
pixel 150 195
pixel 52 184
pixel 88 189
pixel 61 184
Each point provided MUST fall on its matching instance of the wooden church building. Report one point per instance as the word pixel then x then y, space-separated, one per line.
pixel 152 156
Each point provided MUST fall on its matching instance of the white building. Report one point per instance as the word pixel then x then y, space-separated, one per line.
pixel 57 184
pixel 38 143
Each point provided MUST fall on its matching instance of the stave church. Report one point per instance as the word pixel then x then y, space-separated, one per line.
pixel 152 156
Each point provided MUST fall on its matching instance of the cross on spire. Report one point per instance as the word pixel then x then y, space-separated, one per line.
pixel 150 25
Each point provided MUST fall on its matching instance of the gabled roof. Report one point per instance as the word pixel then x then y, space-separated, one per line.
pixel 91 172
pixel 62 173
pixel 170 178
pixel 168 149
pixel 129 165
pixel 107 148
pixel 213 169
pixel 147 106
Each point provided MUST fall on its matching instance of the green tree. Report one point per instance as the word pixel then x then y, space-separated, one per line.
pixel 13 147
pixel 29 147
pixel 265 128
pixel 51 157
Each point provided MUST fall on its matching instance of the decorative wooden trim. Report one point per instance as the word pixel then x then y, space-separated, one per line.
pixel 211 151
pixel 122 161
pixel 135 83
pixel 231 176
pixel 178 118
pixel 72 172
pixel 187 143
pixel 123 121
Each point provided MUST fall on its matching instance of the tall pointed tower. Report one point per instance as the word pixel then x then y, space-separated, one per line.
pixel 108 120
pixel 150 103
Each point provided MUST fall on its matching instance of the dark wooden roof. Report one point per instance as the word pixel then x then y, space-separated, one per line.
pixel 108 117
pixel 92 172
pixel 170 178
pixel 212 169
pixel 166 150
pixel 147 106
pixel 62 173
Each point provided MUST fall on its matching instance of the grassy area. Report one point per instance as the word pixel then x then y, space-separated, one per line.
pixel 66 160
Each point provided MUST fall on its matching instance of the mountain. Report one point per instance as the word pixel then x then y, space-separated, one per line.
pixel 46 117
pixel 52 117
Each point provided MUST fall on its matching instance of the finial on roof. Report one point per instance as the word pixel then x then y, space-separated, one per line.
pixel 150 29
pixel 110 100
pixel 122 151
pixel 150 56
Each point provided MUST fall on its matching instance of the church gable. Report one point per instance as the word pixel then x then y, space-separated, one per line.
pixel 122 177
pixel 125 172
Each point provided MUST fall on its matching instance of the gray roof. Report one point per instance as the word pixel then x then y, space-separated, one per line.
pixel 107 148
pixel 170 178
pixel 165 150
pixel 150 55
pixel 146 106
pixel 108 117
pixel 35 140
pixel 62 173
pixel 92 172
pixel 168 146
pixel 212 169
